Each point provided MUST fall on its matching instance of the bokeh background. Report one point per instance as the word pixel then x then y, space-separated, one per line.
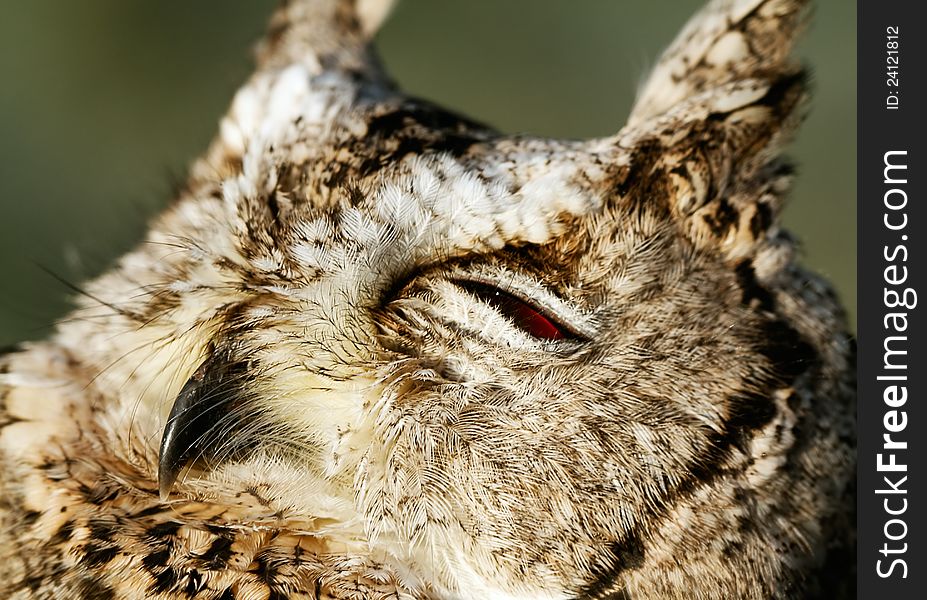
pixel 103 103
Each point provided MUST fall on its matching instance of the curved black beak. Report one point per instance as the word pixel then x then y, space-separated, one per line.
pixel 206 410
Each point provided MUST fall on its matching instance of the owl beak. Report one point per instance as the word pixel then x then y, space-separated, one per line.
pixel 203 414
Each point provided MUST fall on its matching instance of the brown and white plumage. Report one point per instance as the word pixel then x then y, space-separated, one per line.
pixel 306 381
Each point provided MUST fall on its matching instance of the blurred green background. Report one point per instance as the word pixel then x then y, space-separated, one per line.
pixel 104 102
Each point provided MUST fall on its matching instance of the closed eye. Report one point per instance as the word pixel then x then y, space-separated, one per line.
pixel 522 313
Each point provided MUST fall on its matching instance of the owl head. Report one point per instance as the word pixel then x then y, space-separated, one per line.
pixel 484 365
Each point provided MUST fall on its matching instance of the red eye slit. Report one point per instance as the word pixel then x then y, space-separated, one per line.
pixel 521 313
pixel 534 323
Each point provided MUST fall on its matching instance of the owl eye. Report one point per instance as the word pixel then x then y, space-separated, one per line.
pixel 522 313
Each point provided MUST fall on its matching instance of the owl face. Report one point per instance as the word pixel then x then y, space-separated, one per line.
pixel 494 366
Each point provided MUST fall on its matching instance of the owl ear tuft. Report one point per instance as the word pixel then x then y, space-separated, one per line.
pixel 719 106
pixel 726 41
pixel 326 34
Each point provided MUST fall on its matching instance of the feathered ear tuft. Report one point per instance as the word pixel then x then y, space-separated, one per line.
pixel 710 122
pixel 331 34
pixel 727 41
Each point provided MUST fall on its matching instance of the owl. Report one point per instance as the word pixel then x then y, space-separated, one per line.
pixel 375 349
